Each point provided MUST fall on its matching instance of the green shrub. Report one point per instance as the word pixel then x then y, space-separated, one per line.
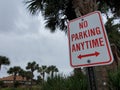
pixel 114 79
pixel 77 82
pixel 1 83
pixel 60 82
pixel 16 84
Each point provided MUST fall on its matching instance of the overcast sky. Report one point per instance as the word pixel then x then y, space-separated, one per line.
pixel 24 39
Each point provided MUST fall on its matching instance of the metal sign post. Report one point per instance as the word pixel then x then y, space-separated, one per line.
pixel 91 78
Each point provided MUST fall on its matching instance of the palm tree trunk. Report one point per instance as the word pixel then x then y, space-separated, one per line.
pixel 83 7
pixel 52 73
pixel 43 76
pixel 32 79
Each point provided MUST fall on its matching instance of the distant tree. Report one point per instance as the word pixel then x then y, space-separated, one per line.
pixel 52 69
pixel 14 71
pixel 32 66
pixel 42 70
pixel 4 61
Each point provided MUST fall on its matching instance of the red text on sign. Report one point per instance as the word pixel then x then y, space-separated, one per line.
pixel 98 42
pixel 83 24
pixel 86 34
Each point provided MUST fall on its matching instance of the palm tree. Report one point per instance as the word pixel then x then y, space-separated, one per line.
pixel 14 71
pixel 32 66
pixel 52 69
pixel 42 70
pixel 58 12
pixel 4 61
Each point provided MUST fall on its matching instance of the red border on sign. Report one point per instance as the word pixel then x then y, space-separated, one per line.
pixel 106 40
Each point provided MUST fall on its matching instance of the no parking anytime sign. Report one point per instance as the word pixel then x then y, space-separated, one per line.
pixel 88 42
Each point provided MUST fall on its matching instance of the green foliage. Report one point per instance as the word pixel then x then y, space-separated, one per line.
pixel 29 75
pixel 32 66
pixel 114 79
pixel 16 84
pixel 1 84
pixel 60 82
pixel 113 31
pixel 113 5
pixel 56 83
pixel 42 70
pixel 54 12
pixel 39 80
pixel 78 81
pixel 102 6
pixel 22 73
pixel 51 70
pixel 4 61
pixel 114 37
pixel 14 70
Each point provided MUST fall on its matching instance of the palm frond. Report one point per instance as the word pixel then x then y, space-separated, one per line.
pixel 34 6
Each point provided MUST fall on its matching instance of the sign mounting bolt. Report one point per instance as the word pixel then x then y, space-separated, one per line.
pixel 89 61
pixel 82 19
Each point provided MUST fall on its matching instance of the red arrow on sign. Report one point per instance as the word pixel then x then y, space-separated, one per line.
pixel 89 55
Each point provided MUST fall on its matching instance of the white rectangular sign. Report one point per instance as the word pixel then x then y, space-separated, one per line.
pixel 88 42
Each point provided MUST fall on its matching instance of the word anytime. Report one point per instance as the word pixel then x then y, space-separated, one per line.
pixel 98 42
